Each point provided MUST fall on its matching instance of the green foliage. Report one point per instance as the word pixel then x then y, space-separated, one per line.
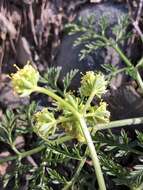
pixel 100 40
pixel 50 79
pixel 112 149
pixel 6 127
pixel 66 132
pixel 96 40
pixel 68 78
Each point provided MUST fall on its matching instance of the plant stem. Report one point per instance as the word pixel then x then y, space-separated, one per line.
pixel 117 49
pixel 122 55
pixel 118 123
pixel 57 98
pixel 139 79
pixel 93 154
pixel 35 150
pixel 80 166
pixel 89 101
pixel 129 64
pixel 23 154
pixel 86 133
pixel 90 98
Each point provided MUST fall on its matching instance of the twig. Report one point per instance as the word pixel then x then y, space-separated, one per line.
pixel 139 11
pixel 2 56
pixel 135 21
pixel 31 18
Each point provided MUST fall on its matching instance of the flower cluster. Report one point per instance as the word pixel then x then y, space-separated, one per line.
pixel 45 123
pixel 25 80
pixel 98 114
pixel 93 82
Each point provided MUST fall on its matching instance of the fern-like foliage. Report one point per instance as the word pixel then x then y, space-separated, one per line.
pixel 94 40
pixel 51 78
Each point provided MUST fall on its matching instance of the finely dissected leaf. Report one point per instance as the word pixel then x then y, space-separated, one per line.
pixel 54 175
pixel 63 150
pixel 7 127
pixel 51 77
pixel 68 78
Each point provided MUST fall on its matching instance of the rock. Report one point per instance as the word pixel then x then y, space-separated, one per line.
pixel 68 56
pixel 8 99
pixel 23 51
pixel 124 103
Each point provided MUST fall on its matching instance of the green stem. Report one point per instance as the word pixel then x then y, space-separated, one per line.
pixel 80 166
pixel 93 154
pixel 35 150
pixel 122 55
pixel 57 98
pixel 23 155
pixel 76 175
pixel 89 101
pixel 118 123
pixel 124 58
pixel 86 133
pixel 129 63
pixel 139 79
pixel 15 149
pixel 90 98
pixel 116 47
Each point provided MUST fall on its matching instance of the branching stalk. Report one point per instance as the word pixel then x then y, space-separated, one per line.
pixel 123 57
pixel 86 133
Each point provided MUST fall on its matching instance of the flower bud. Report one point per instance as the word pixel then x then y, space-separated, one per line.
pixel 25 80
pixel 93 82
pixel 102 114
pixel 45 123
pixel 99 114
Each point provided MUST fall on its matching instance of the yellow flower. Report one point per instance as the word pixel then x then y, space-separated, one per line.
pixel 25 80
pixel 93 82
